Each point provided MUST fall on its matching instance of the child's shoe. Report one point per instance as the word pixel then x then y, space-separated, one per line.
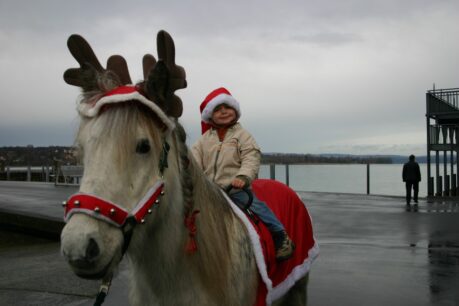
pixel 285 250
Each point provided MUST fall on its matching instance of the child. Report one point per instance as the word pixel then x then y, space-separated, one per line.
pixel 230 157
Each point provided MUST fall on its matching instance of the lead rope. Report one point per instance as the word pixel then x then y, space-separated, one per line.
pixel 128 229
pixel 103 290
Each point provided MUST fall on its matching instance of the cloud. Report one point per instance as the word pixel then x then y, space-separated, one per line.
pixel 377 149
pixel 327 39
pixel 310 75
pixel 60 134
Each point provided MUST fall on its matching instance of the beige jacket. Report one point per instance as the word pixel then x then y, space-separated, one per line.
pixel 237 155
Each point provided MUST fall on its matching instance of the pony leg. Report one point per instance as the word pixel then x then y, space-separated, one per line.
pixel 297 295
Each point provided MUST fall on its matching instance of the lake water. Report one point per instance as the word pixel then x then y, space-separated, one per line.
pixel 385 179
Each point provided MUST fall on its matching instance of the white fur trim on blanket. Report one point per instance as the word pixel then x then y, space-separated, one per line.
pixel 258 250
pixel 296 274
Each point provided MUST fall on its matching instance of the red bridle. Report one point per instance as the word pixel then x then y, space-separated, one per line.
pixel 109 212
pixel 113 214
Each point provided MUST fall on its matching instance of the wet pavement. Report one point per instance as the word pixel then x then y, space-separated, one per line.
pixel 372 251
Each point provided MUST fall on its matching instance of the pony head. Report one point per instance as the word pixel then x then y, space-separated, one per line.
pixel 123 140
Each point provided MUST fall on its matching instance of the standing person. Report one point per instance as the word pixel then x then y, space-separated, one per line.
pixel 411 176
pixel 230 157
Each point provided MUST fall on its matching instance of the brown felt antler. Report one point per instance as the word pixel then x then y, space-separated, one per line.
pixel 164 77
pixel 86 76
pixel 118 65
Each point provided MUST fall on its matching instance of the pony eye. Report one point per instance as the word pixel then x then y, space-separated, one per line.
pixel 143 146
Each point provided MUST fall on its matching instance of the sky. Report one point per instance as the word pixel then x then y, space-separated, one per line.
pixel 311 76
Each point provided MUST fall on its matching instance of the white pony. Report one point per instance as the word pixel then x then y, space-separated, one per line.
pixel 142 194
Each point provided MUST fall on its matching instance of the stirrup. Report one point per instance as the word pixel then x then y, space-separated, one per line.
pixel 244 207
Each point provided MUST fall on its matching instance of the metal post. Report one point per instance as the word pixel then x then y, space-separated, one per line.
pixel 437 169
pixel 440 186
pixel 453 185
pixel 47 174
pixel 453 179
pixel 456 142
pixel 272 171
pixel 430 186
pixel 444 131
pixel 445 174
pixel 287 174
pixel 447 189
pixel 29 174
pixel 56 170
pixel 368 178
pixel 430 191
pixel 457 173
pixel 8 173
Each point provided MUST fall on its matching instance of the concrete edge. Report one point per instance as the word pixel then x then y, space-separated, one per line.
pixel 359 194
pixel 35 225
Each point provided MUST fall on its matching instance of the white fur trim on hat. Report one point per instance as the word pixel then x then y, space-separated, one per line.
pixel 127 93
pixel 220 99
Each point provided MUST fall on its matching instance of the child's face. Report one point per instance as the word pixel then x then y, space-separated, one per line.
pixel 223 115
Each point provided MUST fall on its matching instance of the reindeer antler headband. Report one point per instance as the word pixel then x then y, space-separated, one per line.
pixel 112 85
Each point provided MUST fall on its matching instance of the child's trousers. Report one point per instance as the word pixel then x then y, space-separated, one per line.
pixel 260 208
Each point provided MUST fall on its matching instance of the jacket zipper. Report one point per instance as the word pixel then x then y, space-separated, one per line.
pixel 216 159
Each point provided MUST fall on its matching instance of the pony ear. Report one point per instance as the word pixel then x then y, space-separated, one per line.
pixel 166 77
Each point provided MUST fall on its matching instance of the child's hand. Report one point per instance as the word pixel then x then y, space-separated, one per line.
pixel 238 183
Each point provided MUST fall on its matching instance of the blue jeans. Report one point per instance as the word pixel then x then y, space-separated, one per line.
pixel 260 208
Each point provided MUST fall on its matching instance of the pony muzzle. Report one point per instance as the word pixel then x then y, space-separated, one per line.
pixel 82 248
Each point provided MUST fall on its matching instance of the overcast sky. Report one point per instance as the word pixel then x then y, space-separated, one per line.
pixel 311 76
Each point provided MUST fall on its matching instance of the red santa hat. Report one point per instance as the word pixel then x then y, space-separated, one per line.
pixel 215 98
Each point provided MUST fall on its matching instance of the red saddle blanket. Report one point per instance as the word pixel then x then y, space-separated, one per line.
pixel 278 277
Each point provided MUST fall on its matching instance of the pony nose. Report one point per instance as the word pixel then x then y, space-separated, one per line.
pixel 92 250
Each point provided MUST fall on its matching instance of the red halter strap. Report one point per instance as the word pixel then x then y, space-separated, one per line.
pixel 109 212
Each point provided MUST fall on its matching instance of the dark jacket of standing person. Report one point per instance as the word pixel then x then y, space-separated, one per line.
pixel 411 171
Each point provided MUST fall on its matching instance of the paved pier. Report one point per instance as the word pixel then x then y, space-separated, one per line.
pixel 372 251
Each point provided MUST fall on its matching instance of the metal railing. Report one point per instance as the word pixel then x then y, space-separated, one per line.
pixel 27 173
pixel 60 175
pixel 272 174
pixel 450 96
pixel 286 173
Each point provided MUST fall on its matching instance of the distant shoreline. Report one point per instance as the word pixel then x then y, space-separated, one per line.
pixel 40 156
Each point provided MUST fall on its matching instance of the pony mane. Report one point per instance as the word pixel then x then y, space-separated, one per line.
pixel 190 172
pixel 186 177
pixel 213 260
